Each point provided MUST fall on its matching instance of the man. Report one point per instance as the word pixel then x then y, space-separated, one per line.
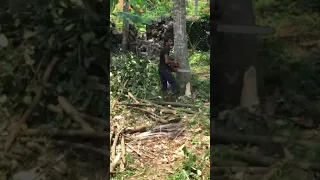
pixel 164 68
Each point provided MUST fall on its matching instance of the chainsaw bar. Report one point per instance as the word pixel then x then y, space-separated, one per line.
pixel 185 70
pixel 244 29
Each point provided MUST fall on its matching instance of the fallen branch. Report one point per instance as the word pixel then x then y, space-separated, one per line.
pixel 132 97
pixel 33 105
pixel 254 139
pixel 251 170
pixel 111 134
pixel 100 121
pixel 115 162
pixel 156 119
pixel 174 104
pixel 103 152
pixel 269 161
pixel 131 130
pixel 114 145
pixel 71 111
pixel 123 153
pixel 66 133
pixel 114 102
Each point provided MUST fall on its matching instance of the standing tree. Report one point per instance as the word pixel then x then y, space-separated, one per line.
pixel 196 7
pixel 125 27
pixel 180 45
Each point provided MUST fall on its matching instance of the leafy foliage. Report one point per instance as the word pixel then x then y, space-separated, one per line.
pixel 141 74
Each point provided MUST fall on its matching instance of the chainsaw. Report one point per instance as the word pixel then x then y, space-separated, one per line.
pixel 174 67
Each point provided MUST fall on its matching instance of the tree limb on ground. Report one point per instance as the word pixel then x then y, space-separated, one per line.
pixel 103 152
pixel 71 111
pixel 174 104
pixel 66 133
pixel 254 139
pixel 33 105
pixel 269 161
pixel 98 120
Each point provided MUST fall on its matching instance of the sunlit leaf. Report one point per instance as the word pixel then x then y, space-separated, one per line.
pixel 113 4
pixel 27 100
pixel 69 27
pixel 3 98
pixel 3 41
pixel 132 17
pixel 87 37
pixel 28 34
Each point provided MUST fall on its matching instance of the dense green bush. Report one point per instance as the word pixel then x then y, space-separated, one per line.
pixel 141 74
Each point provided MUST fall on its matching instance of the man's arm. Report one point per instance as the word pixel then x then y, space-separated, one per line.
pixel 166 58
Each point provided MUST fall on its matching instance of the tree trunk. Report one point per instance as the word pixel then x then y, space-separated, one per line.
pixel 180 44
pixel 125 27
pixel 233 55
pixel 196 7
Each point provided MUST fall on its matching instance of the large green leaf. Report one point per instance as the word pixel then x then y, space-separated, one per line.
pixel 136 19
pixel 113 4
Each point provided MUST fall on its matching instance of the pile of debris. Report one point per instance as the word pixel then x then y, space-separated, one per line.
pixel 54 95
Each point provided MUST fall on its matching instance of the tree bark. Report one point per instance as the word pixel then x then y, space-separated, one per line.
pixel 233 54
pixel 180 44
pixel 196 2
pixel 125 27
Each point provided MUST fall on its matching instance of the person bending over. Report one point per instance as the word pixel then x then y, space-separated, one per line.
pixel 164 68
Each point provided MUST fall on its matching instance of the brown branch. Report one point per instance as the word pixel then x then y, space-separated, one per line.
pixel 132 97
pixel 66 133
pixel 174 104
pixel 254 139
pixel 114 102
pixel 269 161
pixel 71 111
pixel 123 153
pixel 251 170
pixel 33 105
pixel 100 121
pixel 114 145
pixel 131 130
pixel 103 152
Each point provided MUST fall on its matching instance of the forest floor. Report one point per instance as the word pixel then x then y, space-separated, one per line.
pixel 170 141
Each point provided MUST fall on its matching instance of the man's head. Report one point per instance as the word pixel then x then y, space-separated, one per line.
pixel 168 41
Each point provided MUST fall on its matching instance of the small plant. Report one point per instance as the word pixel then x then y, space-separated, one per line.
pixel 191 168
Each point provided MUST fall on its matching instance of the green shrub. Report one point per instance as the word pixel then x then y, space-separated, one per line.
pixel 141 74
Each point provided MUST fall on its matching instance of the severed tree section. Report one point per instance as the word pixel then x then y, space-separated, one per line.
pixel 180 44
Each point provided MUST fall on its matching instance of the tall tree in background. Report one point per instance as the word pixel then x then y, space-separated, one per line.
pixel 180 44
pixel 196 7
pixel 125 27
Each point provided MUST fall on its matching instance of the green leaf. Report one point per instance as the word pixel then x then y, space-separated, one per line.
pixel 113 4
pixel 132 17
pixel 69 27
pixel 87 37
pixel 3 41
pixel 8 68
pixel 27 56
pixel 16 22
pixel 77 2
pixel 3 98
pixel 28 34
pixel 86 62
pixel 27 100
pixel 63 4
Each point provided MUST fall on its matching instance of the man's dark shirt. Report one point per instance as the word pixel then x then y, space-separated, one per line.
pixel 164 50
